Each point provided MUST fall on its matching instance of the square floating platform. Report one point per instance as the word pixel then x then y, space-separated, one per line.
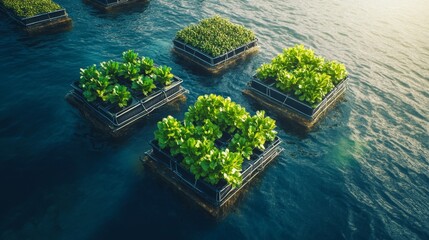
pixel 213 64
pixel 112 118
pixel 52 21
pixel 214 199
pixel 288 106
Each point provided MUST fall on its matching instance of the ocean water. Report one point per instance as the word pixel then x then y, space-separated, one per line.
pixel 362 173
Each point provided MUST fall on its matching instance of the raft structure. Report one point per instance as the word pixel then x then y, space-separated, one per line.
pixel 114 120
pixel 215 200
pixel 289 107
pixel 54 21
pixel 220 44
pixel 117 94
pixel 299 85
pixel 214 153
pixel 211 64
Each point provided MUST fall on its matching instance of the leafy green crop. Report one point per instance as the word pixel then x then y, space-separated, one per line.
pixel 209 119
pixel 299 71
pixel 146 65
pixel 143 84
pixel 215 36
pixel 29 8
pixel 120 95
pixel 105 82
pixel 163 75
pixel 170 134
pixel 221 111
pixel 130 56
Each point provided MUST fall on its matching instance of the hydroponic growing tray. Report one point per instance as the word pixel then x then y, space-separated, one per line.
pixel 210 197
pixel 117 118
pixel 293 108
pixel 213 64
pixel 112 4
pixel 47 21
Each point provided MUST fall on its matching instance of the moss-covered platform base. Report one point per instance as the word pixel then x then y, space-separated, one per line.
pixel 58 25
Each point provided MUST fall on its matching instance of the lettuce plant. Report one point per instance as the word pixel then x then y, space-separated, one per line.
pixel 119 95
pixel 215 36
pixel 111 68
pixel 129 71
pixel 106 82
pixel 163 75
pixel 130 56
pixel 144 84
pixel 206 121
pixel 299 71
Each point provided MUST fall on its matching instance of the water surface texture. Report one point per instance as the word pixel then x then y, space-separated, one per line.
pixel 362 173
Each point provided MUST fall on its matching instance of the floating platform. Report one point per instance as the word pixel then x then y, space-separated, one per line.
pixel 288 106
pixel 214 64
pixel 216 200
pixel 47 22
pixel 112 119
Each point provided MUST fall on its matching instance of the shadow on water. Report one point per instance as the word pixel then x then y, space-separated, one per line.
pixel 29 186
pixel 156 206
pixel 150 210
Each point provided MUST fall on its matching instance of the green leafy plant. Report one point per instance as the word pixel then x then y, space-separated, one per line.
pixel 259 129
pixel 170 134
pixel 106 82
pixel 111 68
pixel 30 8
pixel 130 56
pixel 163 75
pixel 103 87
pixel 266 71
pixel 146 65
pixel 336 71
pixel 205 122
pixel 129 71
pixel 221 111
pixel 93 83
pixel 215 36
pixel 144 84
pixel 119 95
pixel 299 71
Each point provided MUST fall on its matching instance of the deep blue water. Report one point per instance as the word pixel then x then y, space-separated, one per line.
pixel 362 173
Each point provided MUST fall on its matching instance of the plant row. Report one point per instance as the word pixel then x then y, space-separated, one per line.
pixel 212 118
pixel 29 8
pixel 299 71
pixel 215 36
pixel 109 81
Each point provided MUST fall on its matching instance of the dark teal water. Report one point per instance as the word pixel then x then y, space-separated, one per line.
pixel 362 173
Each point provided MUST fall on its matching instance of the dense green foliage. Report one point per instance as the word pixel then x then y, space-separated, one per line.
pixel 299 71
pixel 107 81
pixel 209 119
pixel 29 8
pixel 215 36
